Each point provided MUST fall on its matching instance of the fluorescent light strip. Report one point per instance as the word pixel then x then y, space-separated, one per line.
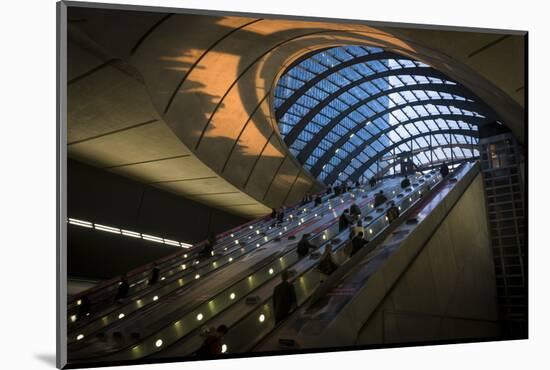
pixel 171 242
pixel 152 238
pixel 74 221
pixel 131 233
pixel 107 228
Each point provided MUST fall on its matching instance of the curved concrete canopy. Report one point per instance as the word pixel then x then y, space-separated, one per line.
pixel 184 102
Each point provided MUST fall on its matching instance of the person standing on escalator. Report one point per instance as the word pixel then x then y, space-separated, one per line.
pixel 123 289
pixel 444 169
pixel 212 344
pixel 284 298
pixel 155 275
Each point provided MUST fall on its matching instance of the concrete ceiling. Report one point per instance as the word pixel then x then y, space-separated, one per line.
pixel 183 102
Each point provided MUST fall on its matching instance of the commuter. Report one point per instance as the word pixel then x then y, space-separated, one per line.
pixel 357 184
pixel 206 251
pixel 304 246
pixel 280 215
pixel 337 190
pixel 329 189
pixel 372 182
pixel 326 264
pixel 355 211
pixel 212 344
pixel 392 213
pixel 273 213
pixel 444 169
pixel 155 275
pixel 284 298
pixel 405 183
pixel 380 199
pixel 344 221
pixel 357 229
pixel 123 289
pixel 318 201
pixel 306 199
pixel 357 243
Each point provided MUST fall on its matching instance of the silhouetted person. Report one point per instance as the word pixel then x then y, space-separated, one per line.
pixel 405 183
pixel 380 199
pixel 326 264
pixel 281 215
pixel 273 213
pixel 155 275
pixel 444 169
pixel 372 182
pixel 304 246
pixel 354 210
pixel 357 229
pixel 329 189
pixel 318 200
pixel 357 243
pixel 392 213
pixel 306 199
pixel 357 184
pixel 123 289
pixel 344 221
pixel 284 298
pixel 212 344
pixel 206 251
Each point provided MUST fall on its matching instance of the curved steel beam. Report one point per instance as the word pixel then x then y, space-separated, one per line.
pixel 417 71
pixel 312 144
pixel 321 76
pixel 316 170
pixel 357 173
pixel 306 151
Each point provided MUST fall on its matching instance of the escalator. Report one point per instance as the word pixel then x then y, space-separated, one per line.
pixel 99 333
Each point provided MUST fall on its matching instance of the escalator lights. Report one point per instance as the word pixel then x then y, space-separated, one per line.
pixel 370 231
pixel 183 267
pixel 158 343
pixel 199 317
pixel 261 318
pixel 324 236
pixel 232 296
pixel 121 316
pixel 162 278
pixel 155 298
pixel 79 336
pixel 230 259
pixel 224 348
pixel 197 276
pixel 73 318
pixel 270 271
pixel 257 244
pixel 250 227
pixel 236 242
pixel 212 253
pixel 79 302
pixel 257 231
pixel 185 256
pixel 265 238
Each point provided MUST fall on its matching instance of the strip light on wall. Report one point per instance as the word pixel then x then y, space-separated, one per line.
pixel 133 234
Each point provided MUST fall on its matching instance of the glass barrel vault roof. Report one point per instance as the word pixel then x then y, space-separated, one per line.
pixel 349 111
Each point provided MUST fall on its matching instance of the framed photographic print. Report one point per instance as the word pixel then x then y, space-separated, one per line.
pixel 236 184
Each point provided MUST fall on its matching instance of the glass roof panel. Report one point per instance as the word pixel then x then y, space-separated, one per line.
pixel 340 120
